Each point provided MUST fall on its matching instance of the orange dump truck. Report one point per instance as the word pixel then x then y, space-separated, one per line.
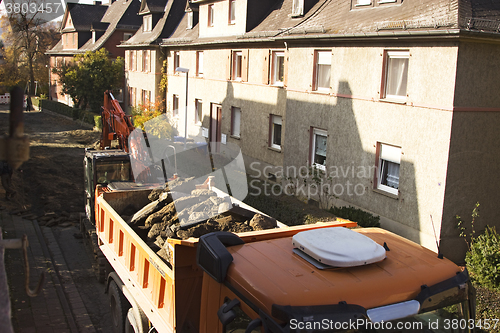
pixel 322 277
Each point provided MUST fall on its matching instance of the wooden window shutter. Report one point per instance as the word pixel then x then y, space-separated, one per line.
pixel 244 70
pixel 265 70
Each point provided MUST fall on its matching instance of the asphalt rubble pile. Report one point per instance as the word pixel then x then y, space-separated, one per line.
pixel 181 215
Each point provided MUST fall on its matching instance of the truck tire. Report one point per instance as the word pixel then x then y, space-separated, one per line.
pixel 119 307
pixel 136 321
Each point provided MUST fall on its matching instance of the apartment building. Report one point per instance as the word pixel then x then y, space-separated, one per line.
pixel 397 101
pixel 88 27
pixel 143 56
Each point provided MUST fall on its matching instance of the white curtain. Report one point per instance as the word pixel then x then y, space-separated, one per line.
pixel 397 76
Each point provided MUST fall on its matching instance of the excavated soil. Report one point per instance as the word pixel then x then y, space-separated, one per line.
pixel 49 185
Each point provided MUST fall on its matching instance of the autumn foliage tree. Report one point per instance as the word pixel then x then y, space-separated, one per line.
pixel 26 38
pixel 88 76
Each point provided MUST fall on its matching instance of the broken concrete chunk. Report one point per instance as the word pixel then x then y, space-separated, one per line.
pixel 261 222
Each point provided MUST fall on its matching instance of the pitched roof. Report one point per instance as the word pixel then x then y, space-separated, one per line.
pixel 338 18
pixel 83 15
pixel 121 14
pixel 173 13
pixel 152 6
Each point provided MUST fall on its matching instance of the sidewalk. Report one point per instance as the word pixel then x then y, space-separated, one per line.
pixel 59 307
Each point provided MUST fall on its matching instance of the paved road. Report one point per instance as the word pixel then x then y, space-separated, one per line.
pixel 72 300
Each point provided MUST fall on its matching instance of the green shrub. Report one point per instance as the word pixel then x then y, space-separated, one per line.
pixel 364 219
pixel 97 122
pixel 483 258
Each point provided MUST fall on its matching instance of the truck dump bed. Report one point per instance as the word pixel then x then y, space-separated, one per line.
pixel 169 293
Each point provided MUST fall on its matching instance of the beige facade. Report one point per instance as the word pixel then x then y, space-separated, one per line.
pixel 399 105
pixel 357 119
pixel 143 76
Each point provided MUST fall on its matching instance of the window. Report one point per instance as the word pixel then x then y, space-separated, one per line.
pixel 278 68
pixel 237 64
pixel 199 63
pixel 297 8
pixel 134 64
pixel 131 96
pixel 175 106
pixel 396 75
pixel 387 172
pixel 232 11
pixel 235 121
pixel 131 60
pixel 147 23
pixel 146 96
pixel 177 60
pixel 210 15
pixel 360 4
pixel 276 123
pixel 198 111
pixel 145 60
pixel 190 20
pixel 139 61
pixel 323 61
pixel 127 36
pixel 318 147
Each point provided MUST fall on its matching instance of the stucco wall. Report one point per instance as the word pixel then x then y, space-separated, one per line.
pixel 474 149
pixel 221 25
pixel 356 120
pixel 477 75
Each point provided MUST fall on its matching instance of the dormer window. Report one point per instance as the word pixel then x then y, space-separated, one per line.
pixel 297 8
pixel 210 15
pixel 147 24
pixel 190 20
pixel 232 11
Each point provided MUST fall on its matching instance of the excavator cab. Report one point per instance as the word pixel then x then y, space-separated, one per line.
pixel 102 167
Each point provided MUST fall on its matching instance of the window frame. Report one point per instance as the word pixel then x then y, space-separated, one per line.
pixel 232 12
pixel 198 111
pixel 297 8
pixel 146 54
pixel 391 154
pixel 321 132
pixel 388 55
pixel 275 120
pixel 317 54
pixel 177 61
pixel 274 68
pixel 175 105
pixel 190 20
pixel 234 133
pixel 210 20
pixel 199 63
pixel 237 66
pixel 147 23
pixel 373 3
pixel 131 60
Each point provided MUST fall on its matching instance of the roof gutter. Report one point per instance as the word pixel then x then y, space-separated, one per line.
pixel 361 36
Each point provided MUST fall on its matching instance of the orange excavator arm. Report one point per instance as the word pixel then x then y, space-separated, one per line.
pixel 116 125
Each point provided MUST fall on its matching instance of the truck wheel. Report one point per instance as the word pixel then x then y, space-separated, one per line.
pixel 119 307
pixel 136 321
